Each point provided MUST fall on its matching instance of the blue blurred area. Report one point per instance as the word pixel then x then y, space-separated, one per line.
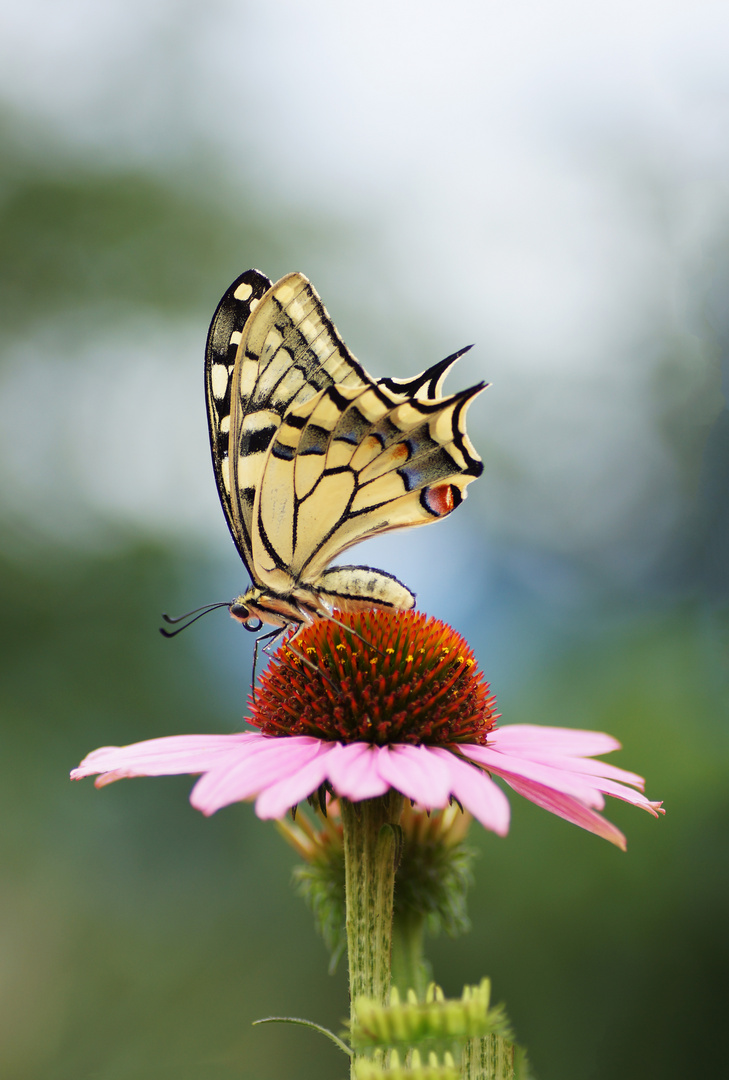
pixel 575 226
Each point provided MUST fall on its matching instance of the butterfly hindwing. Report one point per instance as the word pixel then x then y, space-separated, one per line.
pixel 268 346
pixel 352 463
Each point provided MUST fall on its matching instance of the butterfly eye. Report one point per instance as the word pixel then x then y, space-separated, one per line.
pixel 239 612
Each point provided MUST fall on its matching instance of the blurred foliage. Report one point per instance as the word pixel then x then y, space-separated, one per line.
pixel 144 938
pixel 119 239
pixel 626 954
pixel 124 918
pixel 81 234
pixel 140 939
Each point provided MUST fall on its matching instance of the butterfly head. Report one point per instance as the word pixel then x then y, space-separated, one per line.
pixel 241 611
pixel 256 606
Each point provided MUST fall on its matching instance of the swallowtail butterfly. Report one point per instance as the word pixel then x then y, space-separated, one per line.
pixel 312 455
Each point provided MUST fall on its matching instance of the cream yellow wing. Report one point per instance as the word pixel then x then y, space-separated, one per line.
pixel 353 462
pixel 312 455
pixel 269 348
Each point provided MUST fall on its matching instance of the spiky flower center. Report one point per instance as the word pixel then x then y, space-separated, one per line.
pixel 381 677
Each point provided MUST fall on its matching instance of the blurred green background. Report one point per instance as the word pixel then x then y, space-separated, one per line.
pixel 549 181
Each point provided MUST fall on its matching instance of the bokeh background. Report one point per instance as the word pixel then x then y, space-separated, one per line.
pixel 547 179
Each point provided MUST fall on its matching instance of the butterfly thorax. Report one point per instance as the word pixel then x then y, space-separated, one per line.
pixel 295 609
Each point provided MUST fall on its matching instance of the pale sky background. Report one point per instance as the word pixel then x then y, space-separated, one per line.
pixel 548 179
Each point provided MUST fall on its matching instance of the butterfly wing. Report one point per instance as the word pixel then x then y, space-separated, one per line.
pixel 221 389
pixel 312 455
pixel 354 462
pixel 427 385
pixel 269 347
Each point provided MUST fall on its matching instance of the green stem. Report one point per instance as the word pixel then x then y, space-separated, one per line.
pixel 369 868
pixel 489 1058
pixel 410 970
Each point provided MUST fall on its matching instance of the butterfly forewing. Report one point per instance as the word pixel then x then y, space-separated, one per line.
pixel 289 350
pixel 224 337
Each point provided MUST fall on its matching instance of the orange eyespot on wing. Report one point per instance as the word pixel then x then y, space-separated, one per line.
pixel 441 499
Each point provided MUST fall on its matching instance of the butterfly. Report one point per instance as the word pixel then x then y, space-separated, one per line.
pixel 312 455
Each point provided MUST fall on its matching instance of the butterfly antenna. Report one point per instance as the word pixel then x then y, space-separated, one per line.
pixel 197 613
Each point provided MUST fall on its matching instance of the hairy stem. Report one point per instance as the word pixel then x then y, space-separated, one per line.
pixel 370 844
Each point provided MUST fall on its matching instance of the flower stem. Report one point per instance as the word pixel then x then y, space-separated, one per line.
pixel 490 1058
pixel 410 971
pixel 369 868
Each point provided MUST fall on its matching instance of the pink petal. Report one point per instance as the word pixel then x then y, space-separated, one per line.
pixel 570 809
pixel 477 792
pixel 162 757
pixel 589 767
pixel 247 775
pixel 523 738
pixel 505 765
pixel 277 798
pixel 548 766
pixel 416 772
pixel 352 770
pixel 635 798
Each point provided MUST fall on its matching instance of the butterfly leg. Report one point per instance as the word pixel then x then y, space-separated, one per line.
pixel 351 630
pixel 270 640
